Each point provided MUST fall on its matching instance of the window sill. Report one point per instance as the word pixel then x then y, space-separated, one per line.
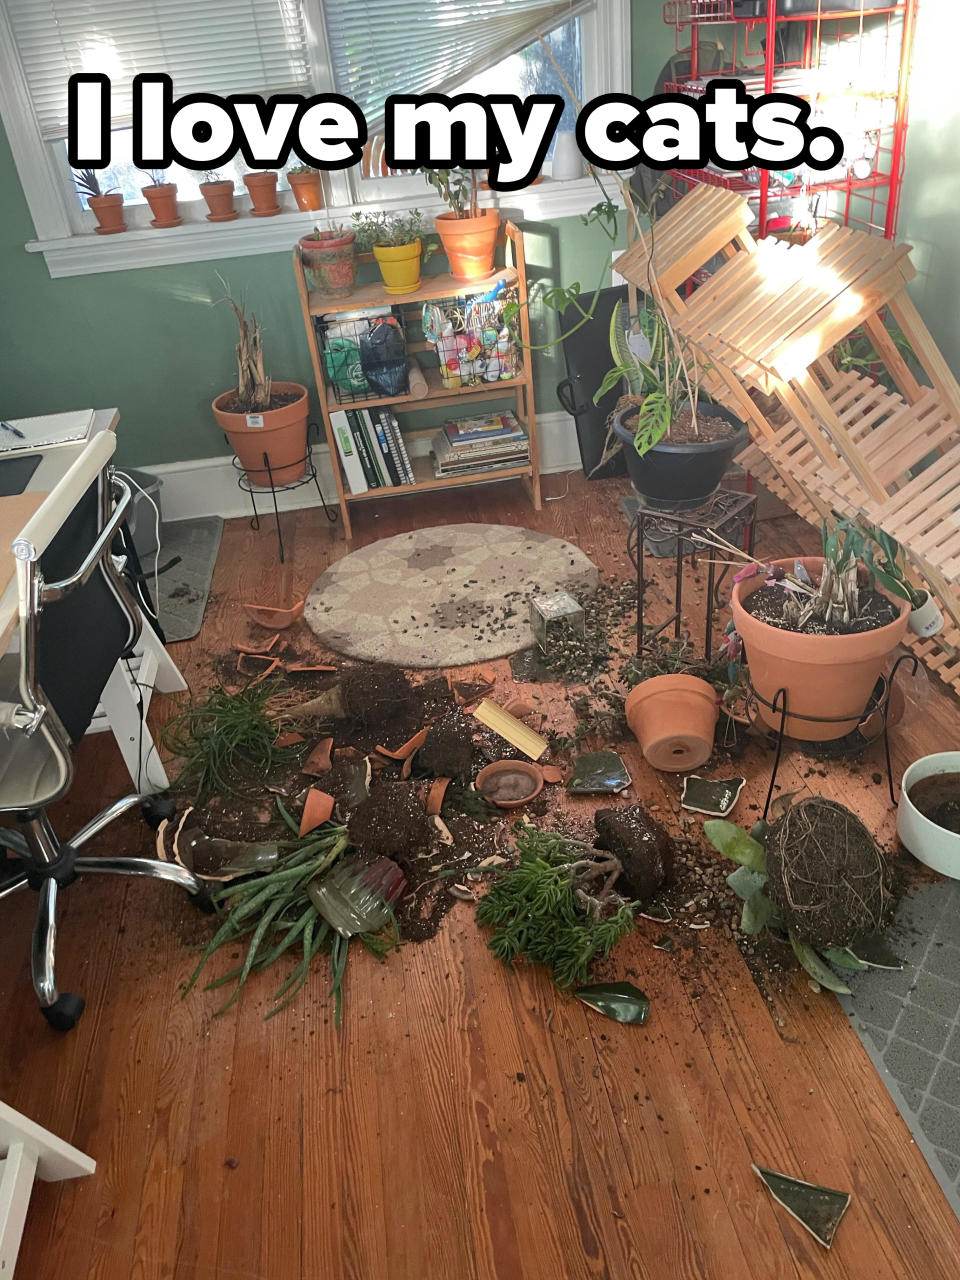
pixel 202 241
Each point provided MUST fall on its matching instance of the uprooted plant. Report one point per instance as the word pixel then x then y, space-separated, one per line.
pixel 816 876
pixel 557 907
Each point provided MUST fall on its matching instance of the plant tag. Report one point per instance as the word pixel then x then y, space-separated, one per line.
pixel 254 419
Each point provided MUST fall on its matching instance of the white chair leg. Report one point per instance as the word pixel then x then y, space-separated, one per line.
pixel 16 1183
pixel 121 702
pixel 168 677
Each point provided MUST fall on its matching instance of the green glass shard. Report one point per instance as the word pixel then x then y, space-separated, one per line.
pixel 819 1209
pixel 599 772
pixel 716 798
pixel 663 944
pixel 621 1001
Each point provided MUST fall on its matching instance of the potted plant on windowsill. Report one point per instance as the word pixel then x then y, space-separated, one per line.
pixel 262 185
pixel 218 193
pixel 328 261
pixel 262 417
pixel 397 244
pixel 468 233
pixel 107 206
pixel 161 196
pixel 307 188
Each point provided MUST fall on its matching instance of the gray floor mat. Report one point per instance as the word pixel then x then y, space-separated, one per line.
pixel 909 1021
pixel 184 588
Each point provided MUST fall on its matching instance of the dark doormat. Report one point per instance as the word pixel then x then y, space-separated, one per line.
pixel 184 588
pixel 909 1022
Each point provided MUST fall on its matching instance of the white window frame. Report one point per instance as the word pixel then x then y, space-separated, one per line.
pixel 64 232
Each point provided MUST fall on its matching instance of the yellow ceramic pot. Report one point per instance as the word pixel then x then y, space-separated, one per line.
pixel 399 266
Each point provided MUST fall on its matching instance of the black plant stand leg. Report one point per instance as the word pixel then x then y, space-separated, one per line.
pixel 915 661
pixel 779 702
pixel 641 586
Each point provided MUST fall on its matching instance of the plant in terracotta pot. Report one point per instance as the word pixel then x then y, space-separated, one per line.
pixel 264 421
pixel 397 243
pixel 329 262
pixel 816 630
pixel 218 193
pixel 468 233
pixel 262 186
pixel 887 562
pixel 107 205
pixel 161 196
pixel 307 187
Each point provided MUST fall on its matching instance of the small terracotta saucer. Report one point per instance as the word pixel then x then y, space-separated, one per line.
pixel 162 225
pixel 265 213
pixel 223 217
pixel 524 767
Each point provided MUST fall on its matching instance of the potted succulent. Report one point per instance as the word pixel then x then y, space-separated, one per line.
pixel 328 260
pixel 218 193
pixel 307 188
pixel 262 417
pixel 818 628
pixel 262 185
pixel 397 244
pixel 161 196
pixel 107 206
pixel 677 444
pixel 890 571
pixel 468 233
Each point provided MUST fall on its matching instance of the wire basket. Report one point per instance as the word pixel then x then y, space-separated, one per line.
pixel 364 354
pixel 472 342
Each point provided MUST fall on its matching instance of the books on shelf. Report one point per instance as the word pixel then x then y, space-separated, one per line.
pixel 492 442
pixel 372 449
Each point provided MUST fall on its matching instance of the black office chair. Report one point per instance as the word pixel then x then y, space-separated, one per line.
pixel 76 621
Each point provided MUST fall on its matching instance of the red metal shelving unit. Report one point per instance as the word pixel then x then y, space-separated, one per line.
pixel 869 200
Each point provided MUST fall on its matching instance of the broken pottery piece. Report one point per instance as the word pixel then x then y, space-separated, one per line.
pixel 664 943
pixel 520 708
pixel 716 798
pixel 407 749
pixel 290 668
pixel 407 767
pixel 355 782
pixel 265 615
pixel 318 761
pixel 551 773
pixel 358 899
pixel 598 773
pixel 289 738
pixel 510 783
pixel 441 828
pixel 819 1209
pixel 435 796
pixel 317 809
pixel 258 649
pixel 876 953
pixel 209 857
pixel 621 1001
pixel 511 729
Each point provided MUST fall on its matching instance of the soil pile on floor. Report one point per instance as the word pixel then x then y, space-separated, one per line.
pixel 875 610
pixel 448 750
pixel 828 876
pixel 392 823
pixel 643 847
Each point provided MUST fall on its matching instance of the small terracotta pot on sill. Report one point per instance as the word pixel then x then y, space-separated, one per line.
pixel 162 199
pixel 219 198
pixel 108 211
pixel 263 192
pixel 307 190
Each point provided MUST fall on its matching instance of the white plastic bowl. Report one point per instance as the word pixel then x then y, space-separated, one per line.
pixel 932 845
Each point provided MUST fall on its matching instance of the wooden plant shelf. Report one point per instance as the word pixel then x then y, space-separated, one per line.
pixel 432 288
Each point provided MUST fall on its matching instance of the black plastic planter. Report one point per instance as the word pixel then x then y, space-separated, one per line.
pixel 677 477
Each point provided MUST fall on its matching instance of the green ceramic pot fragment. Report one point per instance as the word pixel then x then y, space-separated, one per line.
pixel 621 1001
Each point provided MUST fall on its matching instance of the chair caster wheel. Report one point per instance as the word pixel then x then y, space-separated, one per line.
pixel 64 1013
pixel 157 808
pixel 203 902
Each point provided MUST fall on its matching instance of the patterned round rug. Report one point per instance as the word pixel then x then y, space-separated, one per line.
pixel 443 597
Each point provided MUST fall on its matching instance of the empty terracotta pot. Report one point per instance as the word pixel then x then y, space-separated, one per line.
pixel 219 198
pixel 673 718
pixel 109 213
pixel 281 434
pixel 307 190
pixel 469 243
pixel 828 677
pixel 162 200
pixel 263 192
pixel 499 782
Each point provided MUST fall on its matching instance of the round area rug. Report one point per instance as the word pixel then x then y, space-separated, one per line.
pixel 443 597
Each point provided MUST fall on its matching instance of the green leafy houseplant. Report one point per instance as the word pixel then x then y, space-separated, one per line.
pixel 885 559
pixel 557 907
pixel 457 188
pixel 391 231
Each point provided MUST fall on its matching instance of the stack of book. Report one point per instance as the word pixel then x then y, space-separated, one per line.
pixel 493 442
pixel 371 449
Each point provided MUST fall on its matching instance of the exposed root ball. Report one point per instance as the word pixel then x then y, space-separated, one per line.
pixel 448 750
pixel 392 823
pixel 375 695
pixel 643 846
pixel 828 876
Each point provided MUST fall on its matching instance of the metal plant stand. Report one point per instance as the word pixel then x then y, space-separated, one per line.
pixel 730 514
pixel 250 486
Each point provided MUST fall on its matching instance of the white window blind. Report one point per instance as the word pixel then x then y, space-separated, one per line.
pixel 209 46
pixel 380 47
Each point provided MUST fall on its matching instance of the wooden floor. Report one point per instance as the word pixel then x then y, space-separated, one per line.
pixel 465 1124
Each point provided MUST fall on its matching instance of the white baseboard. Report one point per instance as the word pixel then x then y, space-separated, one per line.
pixel 208 486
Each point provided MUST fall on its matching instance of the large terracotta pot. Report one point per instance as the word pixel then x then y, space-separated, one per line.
pixel 399 266
pixel 109 213
pixel 674 719
pixel 307 190
pixel 828 677
pixel 162 200
pixel 219 198
pixel 280 433
pixel 262 186
pixel 328 262
pixel 469 243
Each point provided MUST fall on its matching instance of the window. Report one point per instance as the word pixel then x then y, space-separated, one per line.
pixel 265 47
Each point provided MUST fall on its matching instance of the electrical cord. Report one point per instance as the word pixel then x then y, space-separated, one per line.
pixel 156 525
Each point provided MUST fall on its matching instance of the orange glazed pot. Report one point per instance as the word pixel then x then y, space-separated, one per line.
pixel 829 677
pixel 281 434
pixel 109 214
pixel 263 192
pixel 469 243
pixel 674 719
pixel 162 200
pixel 307 190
